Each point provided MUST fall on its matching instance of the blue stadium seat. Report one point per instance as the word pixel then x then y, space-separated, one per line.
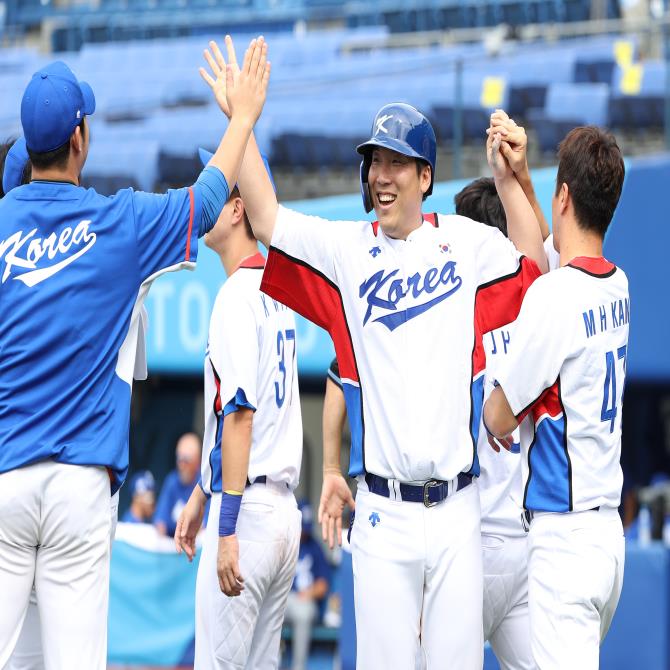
pixel 568 106
pixel 640 107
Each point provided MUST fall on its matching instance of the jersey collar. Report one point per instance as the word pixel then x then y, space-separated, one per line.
pixel 597 266
pixel 254 262
pixel 427 218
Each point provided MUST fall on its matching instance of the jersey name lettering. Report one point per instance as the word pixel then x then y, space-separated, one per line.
pixel 52 246
pixel 392 293
pixel 619 312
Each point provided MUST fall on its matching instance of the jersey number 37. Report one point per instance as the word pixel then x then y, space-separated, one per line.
pixel 284 340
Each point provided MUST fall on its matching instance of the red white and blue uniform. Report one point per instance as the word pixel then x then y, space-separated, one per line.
pixel 407 319
pixel 251 363
pixel 566 370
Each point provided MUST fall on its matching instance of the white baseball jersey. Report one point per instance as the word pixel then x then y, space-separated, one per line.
pixel 251 362
pixel 567 366
pixel 553 257
pixel 406 318
pixel 500 490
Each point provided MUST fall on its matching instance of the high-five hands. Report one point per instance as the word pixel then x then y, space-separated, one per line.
pixel 238 90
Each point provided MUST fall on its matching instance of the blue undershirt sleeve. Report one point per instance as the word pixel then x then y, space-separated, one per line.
pixel 215 191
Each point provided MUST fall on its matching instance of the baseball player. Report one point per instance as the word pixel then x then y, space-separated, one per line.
pixel 250 463
pixel 406 302
pixel 74 268
pixel 504 552
pixel 566 369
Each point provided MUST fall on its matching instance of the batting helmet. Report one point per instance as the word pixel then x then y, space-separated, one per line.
pixel 402 128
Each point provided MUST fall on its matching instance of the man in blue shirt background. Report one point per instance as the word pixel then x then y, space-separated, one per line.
pixel 143 503
pixel 75 268
pixel 179 484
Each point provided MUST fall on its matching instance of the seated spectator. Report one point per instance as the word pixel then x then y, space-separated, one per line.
pixel 143 492
pixel 310 587
pixel 178 485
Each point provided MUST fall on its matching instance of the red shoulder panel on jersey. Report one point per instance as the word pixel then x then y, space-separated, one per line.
pixel 497 303
pixel 310 293
pixel 254 262
pixel 548 403
pixel 596 266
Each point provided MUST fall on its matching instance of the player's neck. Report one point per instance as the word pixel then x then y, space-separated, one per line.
pixel 575 241
pixel 235 252
pixel 70 173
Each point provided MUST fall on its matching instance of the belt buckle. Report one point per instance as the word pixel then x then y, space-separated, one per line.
pixel 431 483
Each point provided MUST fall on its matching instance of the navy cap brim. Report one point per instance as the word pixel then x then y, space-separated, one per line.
pixel 89 98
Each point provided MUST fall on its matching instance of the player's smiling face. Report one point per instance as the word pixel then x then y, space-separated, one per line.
pixel 397 188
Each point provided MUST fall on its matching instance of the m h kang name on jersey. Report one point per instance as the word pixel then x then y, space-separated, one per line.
pixel 26 250
pixel 616 314
pixel 384 291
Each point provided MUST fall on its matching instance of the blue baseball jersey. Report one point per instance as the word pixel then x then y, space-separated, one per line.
pixel 173 497
pixel 75 267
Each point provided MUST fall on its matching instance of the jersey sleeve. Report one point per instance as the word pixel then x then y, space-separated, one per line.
pixel 537 352
pixel 167 229
pixel 504 277
pixel 301 269
pixel 234 352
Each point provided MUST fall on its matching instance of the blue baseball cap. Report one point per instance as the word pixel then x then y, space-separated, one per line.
pixel 206 156
pixel 53 105
pixel 15 164
pixel 142 482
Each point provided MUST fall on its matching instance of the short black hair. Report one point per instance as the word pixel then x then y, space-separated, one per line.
pixel 591 164
pixel 56 158
pixel 480 201
pixel 4 150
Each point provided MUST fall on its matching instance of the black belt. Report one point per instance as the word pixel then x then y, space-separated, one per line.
pixel 430 493
pixel 261 479
pixel 529 514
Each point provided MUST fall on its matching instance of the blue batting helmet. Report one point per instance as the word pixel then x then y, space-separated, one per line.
pixel 402 128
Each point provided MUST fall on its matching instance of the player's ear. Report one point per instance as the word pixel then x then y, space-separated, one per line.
pixel 563 198
pixel 238 210
pixel 424 177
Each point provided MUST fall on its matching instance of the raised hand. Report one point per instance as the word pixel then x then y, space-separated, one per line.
pixel 496 160
pixel 246 90
pixel 217 64
pixel 514 140
pixel 335 495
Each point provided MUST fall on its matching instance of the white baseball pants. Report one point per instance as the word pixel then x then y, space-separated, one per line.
pixel 245 631
pixel 506 625
pixel 575 575
pixel 54 532
pixel 28 653
pixel 418 580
